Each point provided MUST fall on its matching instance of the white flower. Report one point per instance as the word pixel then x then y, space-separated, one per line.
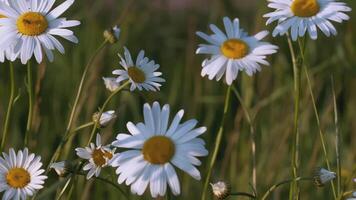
pixel 141 74
pixel 7 53
pixel 20 174
pixel 306 15
pixel 111 84
pixel 61 168
pixel 353 194
pixel 233 51
pixel 220 190
pixel 105 118
pixel 323 176
pixel 98 157
pixel 29 27
pixel 155 147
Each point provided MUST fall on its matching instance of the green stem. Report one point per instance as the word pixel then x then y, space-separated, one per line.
pixel 321 134
pixel 217 143
pixel 81 85
pixel 294 189
pixel 243 194
pixel 97 122
pixel 9 107
pixel 275 186
pixel 74 108
pixel 30 103
pixel 115 185
pixel 337 141
pixel 253 136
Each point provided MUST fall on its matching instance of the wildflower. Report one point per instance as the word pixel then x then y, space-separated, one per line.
pixel 156 148
pixel 233 52
pixel 105 118
pixel 221 190
pixel 353 194
pixel 142 74
pixel 98 156
pixel 301 16
pixel 30 27
pixel 323 176
pixel 62 168
pixel 6 53
pixel 20 174
pixel 111 84
pixel 112 35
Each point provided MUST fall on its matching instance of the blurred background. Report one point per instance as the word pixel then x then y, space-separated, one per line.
pixel 165 29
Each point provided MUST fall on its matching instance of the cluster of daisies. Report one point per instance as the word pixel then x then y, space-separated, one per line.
pixel 158 145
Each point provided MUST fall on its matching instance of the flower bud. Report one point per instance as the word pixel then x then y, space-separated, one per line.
pixel 112 35
pixel 221 190
pixel 111 84
pixel 323 176
pixel 62 168
pixel 105 118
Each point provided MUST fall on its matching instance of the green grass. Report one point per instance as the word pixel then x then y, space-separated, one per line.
pixel 168 36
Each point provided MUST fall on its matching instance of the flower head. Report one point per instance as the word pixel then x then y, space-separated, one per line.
pixel 141 74
pixel 62 168
pixel 111 84
pixel 221 190
pixel 155 147
pixel 323 176
pixel 112 35
pixel 20 174
pixel 301 16
pixel 29 27
pixel 105 117
pixel 233 51
pixel 98 156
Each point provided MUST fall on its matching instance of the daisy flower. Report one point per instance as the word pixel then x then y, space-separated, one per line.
pixel 233 51
pixel 98 157
pixel 105 118
pixel 20 174
pixel 112 35
pixel 301 16
pixel 155 147
pixel 7 53
pixel 30 26
pixel 141 74
pixel 111 84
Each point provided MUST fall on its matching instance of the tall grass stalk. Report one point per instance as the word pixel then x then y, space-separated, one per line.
pixel 321 134
pixel 30 103
pixel 217 144
pixel 9 107
pixel 253 136
pixel 337 140
pixel 294 188
pixel 74 108
pixel 97 122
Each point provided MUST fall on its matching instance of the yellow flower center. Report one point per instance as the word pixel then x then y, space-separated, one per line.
pixel 18 178
pixel 136 74
pixel 100 157
pixel 158 150
pixel 234 48
pixel 2 16
pixel 305 8
pixel 31 24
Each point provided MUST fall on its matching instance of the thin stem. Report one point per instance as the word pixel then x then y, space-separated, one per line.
pixel 81 85
pixel 321 134
pixel 253 136
pixel 294 189
pixel 243 194
pixel 74 108
pixel 30 103
pixel 217 143
pixel 108 182
pixel 9 107
pixel 97 122
pixel 275 186
pixel 337 140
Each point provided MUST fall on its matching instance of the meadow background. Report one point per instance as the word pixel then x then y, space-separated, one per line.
pixel 165 29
